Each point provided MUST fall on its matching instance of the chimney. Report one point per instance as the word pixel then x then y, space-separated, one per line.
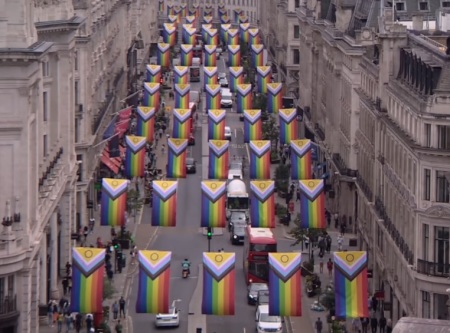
pixel 417 22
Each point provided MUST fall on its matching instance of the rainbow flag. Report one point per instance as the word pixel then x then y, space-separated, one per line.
pixel 237 13
pixel 312 204
pixel 151 95
pixel 164 203
pixel 153 73
pixel 274 97
pixel 234 55
pixel 244 97
pixel 224 32
pixel 220 7
pixel 189 35
pixel 182 96
pixel 214 196
pixel 192 12
pixel 173 19
pixel 262 209
pixel 260 159
pixel 254 36
pixel 301 159
pixel 212 37
pixel 213 96
pixel 243 19
pixel 196 8
pixel 218 283
pixel 182 119
pixel 135 156
pixel 183 7
pixel 263 77
pixel 146 122
pixel 233 37
pixel 176 165
pixel 221 12
pixel 252 125
pixel 114 202
pixel 170 34
pixel 207 11
pixel 257 55
pixel 225 19
pixel 211 75
pixel 181 74
pixel 163 56
pixel 288 125
pixel 177 13
pixel 187 53
pixel 216 124
pixel 88 270
pixel 236 77
pixel 192 20
pixel 169 9
pixel 244 34
pixel 285 287
pixel 210 56
pixel 154 281
pixel 161 6
pixel 218 159
pixel 205 28
pixel 207 19
pixel 350 284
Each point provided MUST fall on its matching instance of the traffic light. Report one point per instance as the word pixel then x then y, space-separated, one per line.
pixel 209 233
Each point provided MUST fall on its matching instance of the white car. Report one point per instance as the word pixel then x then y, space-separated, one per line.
pixel 171 319
pixel 227 133
pixel 265 322
pixel 222 76
pixel 223 82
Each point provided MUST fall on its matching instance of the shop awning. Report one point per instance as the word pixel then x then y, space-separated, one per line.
pixel 109 163
pixel 125 114
pixel 122 126
pixel 112 163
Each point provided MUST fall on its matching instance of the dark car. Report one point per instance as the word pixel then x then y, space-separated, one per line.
pixel 263 297
pixel 237 218
pixel 253 289
pixel 191 165
pixel 237 234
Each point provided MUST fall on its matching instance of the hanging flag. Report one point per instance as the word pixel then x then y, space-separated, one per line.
pixel 243 19
pixel 192 12
pixel 183 12
pixel 181 74
pixel 187 53
pixel 244 34
pixel 214 196
pixel 135 156
pixel 151 95
pixel 350 284
pixel 164 203
pixel 189 35
pixel 210 75
pixel 225 19
pixel 207 19
pixel 301 161
pixel 154 281
pixel 263 77
pixel 169 9
pixel 182 96
pixel 260 159
pixel 252 125
pixel 274 97
pixel 191 18
pixel 236 77
pixel 312 204
pixel 153 74
pixel 88 270
pixel 113 202
pixel 210 56
pixel 182 119
pixel 237 13
pixel 177 13
pixel 244 100
pixel 169 34
pixel 224 33
pixel 213 96
pixel 218 283
pixel 218 159
pixel 205 28
pixel 146 122
pixel 173 19
pixel 216 124
pixel 163 56
pixel 285 287
pixel 262 209
pixel 257 51
pixel 196 8
pixel 288 125
pixel 221 8
pixel 161 6
pixel 233 37
pixel 176 166
pixel 212 37
pixel 254 36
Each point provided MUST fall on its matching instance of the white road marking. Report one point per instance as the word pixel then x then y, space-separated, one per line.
pixel 235 133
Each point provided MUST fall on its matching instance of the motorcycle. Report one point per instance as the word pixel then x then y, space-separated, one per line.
pixel 185 273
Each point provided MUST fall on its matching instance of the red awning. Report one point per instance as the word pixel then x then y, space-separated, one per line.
pixel 109 163
pixel 122 152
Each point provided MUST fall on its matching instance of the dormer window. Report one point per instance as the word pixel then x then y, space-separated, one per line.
pixel 423 6
pixel 400 6
pixel 446 4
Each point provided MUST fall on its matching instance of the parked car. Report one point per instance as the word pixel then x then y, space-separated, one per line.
pixel 237 234
pixel 267 323
pixel 227 133
pixel 171 319
pixel 191 165
pixel 253 288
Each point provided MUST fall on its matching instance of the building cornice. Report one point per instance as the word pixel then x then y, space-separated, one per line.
pixel 31 53
pixel 59 25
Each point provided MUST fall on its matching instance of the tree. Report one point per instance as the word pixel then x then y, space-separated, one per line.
pixel 282 173
pixel 134 201
pixel 260 102
pixel 108 289
pixel 244 49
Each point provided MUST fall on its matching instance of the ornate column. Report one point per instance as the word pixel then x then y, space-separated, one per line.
pixel 54 288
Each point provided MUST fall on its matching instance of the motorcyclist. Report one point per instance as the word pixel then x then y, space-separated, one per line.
pixel 186 264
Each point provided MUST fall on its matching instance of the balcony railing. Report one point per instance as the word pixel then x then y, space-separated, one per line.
pixel 102 110
pixel 364 187
pixel 433 268
pixel 8 306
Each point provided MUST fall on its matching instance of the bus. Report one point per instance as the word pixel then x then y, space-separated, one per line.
pixel 258 243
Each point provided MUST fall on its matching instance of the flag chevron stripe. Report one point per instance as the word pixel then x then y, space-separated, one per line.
pixel 151 87
pixel 288 115
pixel 169 28
pixel 236 71
pixel 190 31
pixel 206 27
pixel 211 32
pixel 311 188
pixel 213 89
pixel 244 26
pixel 234 49
pixel 163 47
pixel 262 189
pixel 177 146
pixel 219 147
pixel 233 32
pixel 218 264
pixel 257 48
pixel 301 147
pixel 186 48
pixel 214 190
pixel 207 19
pixel 253 32
pixel 182 89
pixel 153 69
pixel 259 147
pixel 225 26
pixel 154 262
pixel 165 189
pixel 146 112
pixel 252 116
pixel 284 265
pixel 274 88
pixel 217 115
pixel 182 115
pixel 210 71
pixel 135 143
pixel 190 18
pixel 244 89
pixel 181 70
pixel 114 187
pixel 263 70
pixel 88 260
pixel 210 49
pixel 351 263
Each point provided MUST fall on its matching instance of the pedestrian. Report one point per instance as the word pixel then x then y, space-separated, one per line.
pixel 85 232
pixel 89 322
pixel 374 324
pixel 68 321
pixel 50 313
pixel 336 220
pixel 319 325
pixel 298 195
pixel 115 309
pixel 163 148
pixel 55 313
pixel 364 324
pixel 122 306
pixel 340 240
pixel 119 327
pixel 133 254
pixel 330 267
pixel 328 248
pixel 389 326
pixel 78 319
pixel 374 303
pixel 68 269
pixel 306 238
pixel 60 321
pixel 69 284
pixel 321 265
pixel 382 323
pixel 110 273
pixel 160 132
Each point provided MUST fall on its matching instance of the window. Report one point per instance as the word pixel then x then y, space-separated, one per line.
pixel 427 184
pixel 400 6
pixel 45 105
pixel 423 5
pixel 80 168
pixel 446 4
pixel 428 135
pixel 77 92
pixel 380 239
pixel 45 69
pixel 442 192
pixel 11 286
pixel 296 57
pixel 296 31
pixel 77 130
pixel 75 60
pixel 443 137
pixel 440 306
pixel 2 288
pixel 426 241
pixel 425 304
pixel 44 145
pixel 441 249
pixel 297 3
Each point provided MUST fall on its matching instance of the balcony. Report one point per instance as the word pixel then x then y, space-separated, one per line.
pixel 340 163
pixel 102 110
pixel 380 209
pixel 433 268
pixel 8 308
pixel 364 187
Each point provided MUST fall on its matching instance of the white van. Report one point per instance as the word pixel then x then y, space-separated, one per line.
pixel 227 98
pixel 266 323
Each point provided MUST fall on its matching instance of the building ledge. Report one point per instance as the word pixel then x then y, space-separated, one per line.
pixel 60 25
pixel 33 52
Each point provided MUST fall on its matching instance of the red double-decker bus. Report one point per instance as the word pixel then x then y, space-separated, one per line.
pixel 258 243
